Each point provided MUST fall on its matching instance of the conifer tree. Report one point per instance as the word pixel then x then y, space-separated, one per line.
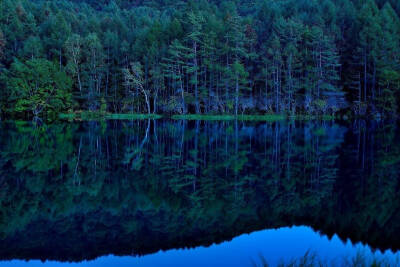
pixel 388 60
pixel 195 38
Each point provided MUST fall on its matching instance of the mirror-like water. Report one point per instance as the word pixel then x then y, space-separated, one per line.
pixel 76 192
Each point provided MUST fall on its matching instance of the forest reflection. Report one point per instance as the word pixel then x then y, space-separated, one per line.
pixel 75 191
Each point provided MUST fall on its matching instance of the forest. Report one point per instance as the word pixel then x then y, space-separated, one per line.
pixel 290 57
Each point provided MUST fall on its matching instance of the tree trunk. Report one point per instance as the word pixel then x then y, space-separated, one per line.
pixel 60 51
pixel 182 92
pixel 266 82
pixel 147 103
pixel 196 93
pixel 365 76
pixel 237 95
pixel 79 81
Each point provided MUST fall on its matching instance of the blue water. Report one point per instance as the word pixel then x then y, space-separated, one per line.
pixel 78 191
pixel 274 245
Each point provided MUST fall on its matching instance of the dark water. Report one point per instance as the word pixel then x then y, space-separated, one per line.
pixel 104 193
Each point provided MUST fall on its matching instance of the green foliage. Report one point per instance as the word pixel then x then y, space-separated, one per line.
pixel 38 87
pixel 213 57
pixel 2 44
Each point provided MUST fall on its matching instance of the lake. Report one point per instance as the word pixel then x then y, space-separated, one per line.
pixel 197 193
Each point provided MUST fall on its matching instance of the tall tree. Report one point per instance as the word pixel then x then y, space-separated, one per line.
pixel 73 47
pixel 276 62
pixel 369 33
pixel 58 32
pixel 235 38
pixel 194 37
pixel 291 34
pixel 94 66
pixel 388 60
pixel 2 44
pixel 134 78
pixel 39 87
pixel 326 72
pixel 33 48
pixel 174 67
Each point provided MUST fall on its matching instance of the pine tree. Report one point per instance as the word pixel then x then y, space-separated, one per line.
pixel 174 66
pixel 33 48
pixel 388 60
pixel 73 47
pixel 368 45
pixel 209 55
pixel 94 67
pixel 291 35
pixel 195 38
pixel 111 46
pixel 14 33
pixel 235 37
pixel 326 71
pixel 2 44
pixel 276 62
pixel 58 32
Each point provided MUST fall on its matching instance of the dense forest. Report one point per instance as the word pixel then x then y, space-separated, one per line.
pixel 199 57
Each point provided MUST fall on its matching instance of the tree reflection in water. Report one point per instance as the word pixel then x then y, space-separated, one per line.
pixel 77 191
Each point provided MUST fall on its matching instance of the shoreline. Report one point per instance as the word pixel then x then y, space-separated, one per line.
pixel 85 116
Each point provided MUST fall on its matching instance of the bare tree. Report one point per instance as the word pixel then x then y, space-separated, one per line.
pixel 134 78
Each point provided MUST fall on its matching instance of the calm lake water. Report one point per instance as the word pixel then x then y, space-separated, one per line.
pixel 176 193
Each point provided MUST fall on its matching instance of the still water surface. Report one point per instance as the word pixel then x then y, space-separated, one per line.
pixel 175 193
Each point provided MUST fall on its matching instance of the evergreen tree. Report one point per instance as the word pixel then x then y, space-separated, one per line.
pixel 235 38
pixel 195 38
pixel 57 33
pixel 368 45
pixel 33 48
pixel 388 60
pixel 94 69
pixel 174 67
pixel 275 69
pixel 291 35
pixel 73 47
pixel 2 44
pixel 326 69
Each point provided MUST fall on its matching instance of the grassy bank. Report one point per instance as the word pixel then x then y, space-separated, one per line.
pixel 230 117
pixel 84 116
pixel 312 117
pixel 270 117
pixel 133 116
pixel 108 116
